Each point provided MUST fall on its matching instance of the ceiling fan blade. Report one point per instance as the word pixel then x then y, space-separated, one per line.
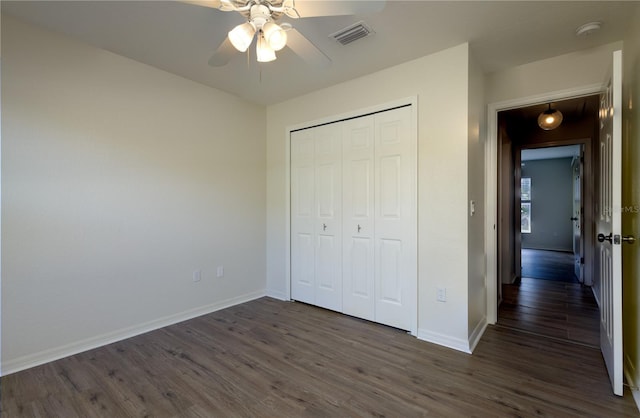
pixel 316 8
pixel 306 50
pixel 214 4
pixel 223 54
pixel 224 5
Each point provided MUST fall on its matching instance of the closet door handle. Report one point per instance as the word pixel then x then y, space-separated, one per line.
pixel 359 227
pixel 324 227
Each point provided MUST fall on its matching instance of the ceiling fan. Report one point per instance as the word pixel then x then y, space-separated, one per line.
pixel 262 17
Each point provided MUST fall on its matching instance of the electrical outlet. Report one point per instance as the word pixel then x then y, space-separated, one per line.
pixel 220 272
pixel 197 275
pixel 441 294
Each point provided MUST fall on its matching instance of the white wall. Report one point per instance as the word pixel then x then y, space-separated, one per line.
pixel 0 195
pixel 118 181
pixel 477 131
pixel 551 204
pixel 631 200
pixel 441 83
pixel 569 71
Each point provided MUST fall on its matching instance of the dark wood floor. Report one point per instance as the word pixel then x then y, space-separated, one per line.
pixel 554 309
pixel 548 265
pixel 554 305
pixel 268 358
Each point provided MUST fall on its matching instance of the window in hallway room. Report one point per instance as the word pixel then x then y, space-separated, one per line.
pixel 525 205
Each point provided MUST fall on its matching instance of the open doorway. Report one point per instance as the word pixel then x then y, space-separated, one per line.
pixel 545 222
pixel 551 213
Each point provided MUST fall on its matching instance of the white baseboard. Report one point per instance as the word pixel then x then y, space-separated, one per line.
pixel 46 356
pixel 276 294
pixel 630 373
pixel 444 340
pixel 477 334
pixel 636 397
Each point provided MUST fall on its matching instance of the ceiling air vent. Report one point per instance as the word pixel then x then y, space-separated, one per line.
pixel 352 33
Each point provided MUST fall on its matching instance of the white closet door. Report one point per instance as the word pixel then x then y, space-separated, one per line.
pixel 395 220
pixel 358 221
pixel 303 216
pixel 328 196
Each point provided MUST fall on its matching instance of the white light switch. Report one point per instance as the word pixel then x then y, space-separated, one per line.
pixel 220 271
pixel 197 275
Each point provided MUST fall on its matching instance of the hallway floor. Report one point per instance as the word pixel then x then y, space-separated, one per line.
pixel 554 305
pixel 548 265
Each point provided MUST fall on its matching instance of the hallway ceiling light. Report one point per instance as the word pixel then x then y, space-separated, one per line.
pixel 550 119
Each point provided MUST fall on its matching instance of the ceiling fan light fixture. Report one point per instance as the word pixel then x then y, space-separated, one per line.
pixel 550 119
pixel 264 52
pixel 275 36
pixel 242 35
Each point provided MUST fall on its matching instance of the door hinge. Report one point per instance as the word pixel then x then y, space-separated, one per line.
pixel 581 260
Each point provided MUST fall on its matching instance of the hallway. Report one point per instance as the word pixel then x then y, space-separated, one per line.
pixel 554 305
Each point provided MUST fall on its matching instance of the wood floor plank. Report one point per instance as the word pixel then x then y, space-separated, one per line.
pixel 548 265
pixel 558 309
pixel 268 358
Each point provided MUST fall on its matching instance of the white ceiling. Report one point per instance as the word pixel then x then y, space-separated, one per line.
pixel 180 38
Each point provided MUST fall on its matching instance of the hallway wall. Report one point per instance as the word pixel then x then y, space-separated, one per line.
pixel 551 204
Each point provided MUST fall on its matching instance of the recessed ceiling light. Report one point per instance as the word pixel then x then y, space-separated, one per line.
pixel 588 28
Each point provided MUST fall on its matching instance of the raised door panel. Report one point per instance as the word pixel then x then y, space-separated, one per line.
pixel 391 271
pixel 358 222
pixel 302 267
pixel 303 216
pixel 390 187
pixel 328 216
pixel 395 220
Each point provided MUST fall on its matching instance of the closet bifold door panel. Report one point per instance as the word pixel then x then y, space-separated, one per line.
pixel 303 222
pixel 328 191
pixel 358 217
pixel 395 221
pixel 316 201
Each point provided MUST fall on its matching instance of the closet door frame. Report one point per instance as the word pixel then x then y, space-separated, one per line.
pixel 411 101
